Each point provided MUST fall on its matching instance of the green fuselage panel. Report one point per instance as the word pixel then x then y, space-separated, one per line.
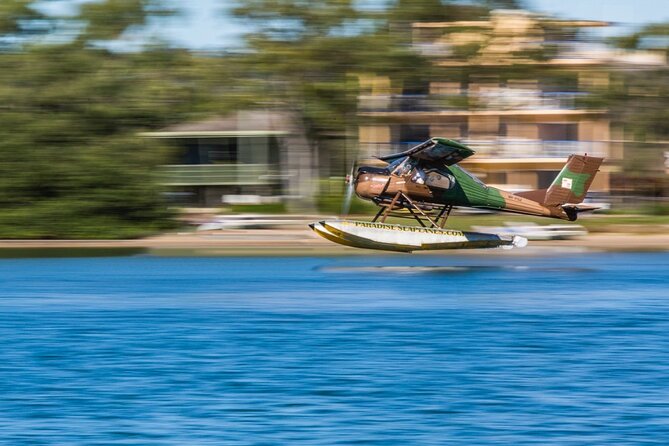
pixel 468 191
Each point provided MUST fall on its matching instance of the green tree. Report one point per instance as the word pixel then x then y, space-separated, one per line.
pixel 306 55
pixel 637 101
pixel 71 162
pixel 14 14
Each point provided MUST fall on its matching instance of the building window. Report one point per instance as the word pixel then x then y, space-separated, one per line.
pixel 414 134
pixel 546 177
pixel 207 150
pixel 496 178
pixel 220 151
pixel 558 132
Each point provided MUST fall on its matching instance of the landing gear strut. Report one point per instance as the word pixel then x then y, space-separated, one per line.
pixel 435 216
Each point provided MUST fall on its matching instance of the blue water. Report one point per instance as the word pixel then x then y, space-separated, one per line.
pixel 562 350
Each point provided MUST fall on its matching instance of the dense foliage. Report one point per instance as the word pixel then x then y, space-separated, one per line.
pixel 75 95
pixel 72 104
pixel 71 162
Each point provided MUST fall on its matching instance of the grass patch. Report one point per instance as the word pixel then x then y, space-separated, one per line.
pixel 34 253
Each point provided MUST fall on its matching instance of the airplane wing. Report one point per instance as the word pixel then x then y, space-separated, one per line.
pixel 435 149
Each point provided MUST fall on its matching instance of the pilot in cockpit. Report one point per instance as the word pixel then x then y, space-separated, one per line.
pixel 418 176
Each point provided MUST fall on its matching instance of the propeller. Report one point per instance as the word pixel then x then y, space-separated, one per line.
pixel 350 188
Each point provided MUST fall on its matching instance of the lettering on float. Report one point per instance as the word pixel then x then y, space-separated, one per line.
pixel 408 229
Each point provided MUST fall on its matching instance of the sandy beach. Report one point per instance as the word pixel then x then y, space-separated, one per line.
pixel 303 242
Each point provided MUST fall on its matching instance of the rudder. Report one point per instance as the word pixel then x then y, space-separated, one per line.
pixel 574 180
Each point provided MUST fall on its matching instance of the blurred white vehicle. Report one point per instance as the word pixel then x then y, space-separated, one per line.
pixel 533 231
pixel 253 221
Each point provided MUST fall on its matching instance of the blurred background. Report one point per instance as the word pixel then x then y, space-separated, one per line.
pixel 125 118
pixel 208 133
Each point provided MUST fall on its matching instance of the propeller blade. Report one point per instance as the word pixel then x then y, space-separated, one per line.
pixel 350 188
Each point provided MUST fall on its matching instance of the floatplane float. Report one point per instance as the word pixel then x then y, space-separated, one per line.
pixel 425 182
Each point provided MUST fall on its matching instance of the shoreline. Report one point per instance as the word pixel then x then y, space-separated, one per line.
pixel 303 242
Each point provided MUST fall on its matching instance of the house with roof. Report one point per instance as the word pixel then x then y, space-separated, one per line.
pixel 254 156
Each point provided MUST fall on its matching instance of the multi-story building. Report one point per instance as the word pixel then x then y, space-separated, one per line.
pixel 515 88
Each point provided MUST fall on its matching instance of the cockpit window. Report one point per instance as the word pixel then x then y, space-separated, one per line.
pixel 402 166
pixel 439 179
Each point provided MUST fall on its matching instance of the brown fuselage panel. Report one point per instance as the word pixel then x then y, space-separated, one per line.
pixel 371 185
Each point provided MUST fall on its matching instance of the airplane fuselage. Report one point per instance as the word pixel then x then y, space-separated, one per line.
pixel 448 185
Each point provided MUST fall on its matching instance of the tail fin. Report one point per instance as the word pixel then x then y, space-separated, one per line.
pixel 571 184
pixel 574 180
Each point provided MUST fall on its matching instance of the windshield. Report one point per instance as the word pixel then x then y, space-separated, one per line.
pixel 392 166
pixel 402 166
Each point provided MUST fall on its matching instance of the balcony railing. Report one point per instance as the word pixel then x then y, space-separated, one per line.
pixel 219 175
pixel 495 99
pixel 411 103
pixel 522 148
pixel 506 148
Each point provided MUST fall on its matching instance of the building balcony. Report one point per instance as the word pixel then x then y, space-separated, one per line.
pixel 411 103
pixel 494 99
pixel 507 148
pixel 219 175
pixel 523 148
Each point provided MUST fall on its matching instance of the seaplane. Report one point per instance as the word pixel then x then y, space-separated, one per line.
pixel 425 182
